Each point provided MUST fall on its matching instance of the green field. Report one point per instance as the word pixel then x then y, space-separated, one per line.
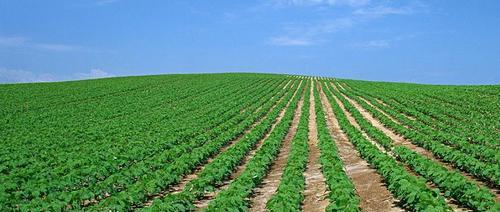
pixel 242 141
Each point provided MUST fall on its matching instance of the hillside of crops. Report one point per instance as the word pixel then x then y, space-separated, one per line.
pixel 248 142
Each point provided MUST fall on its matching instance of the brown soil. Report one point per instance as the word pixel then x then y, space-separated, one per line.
pixel 400 140
pixel 403 114
pixel 270 183
pixel 353 121
pixel 452 203
pixel 203 203
pixel 381 102
pixel 341 86
pixel 381 111
pixel 315 192
pixel 369 185
pixel 186 179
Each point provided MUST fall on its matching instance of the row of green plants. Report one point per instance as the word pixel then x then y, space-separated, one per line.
pixel 186 158
pixel 342 194
pixel 222 166
pixel 484 171
pixel 476 127
pixel 427 124
pixel 60 198
pixel 35 168
pixel 235 197
pixel 410 190
pixel 289 195
pixel 68 176
pixel 452 183
pixel 39 97
pixel 98 113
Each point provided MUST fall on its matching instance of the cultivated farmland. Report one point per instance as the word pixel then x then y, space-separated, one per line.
pixel 248 142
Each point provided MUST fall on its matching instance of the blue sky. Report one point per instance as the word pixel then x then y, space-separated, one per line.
pixel 439 42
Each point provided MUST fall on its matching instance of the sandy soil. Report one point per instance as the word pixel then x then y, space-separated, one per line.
pixel 186 179
pixel 368 183
pixel 315 192
pixel 203 203
pixel 400 140
pixel 270 183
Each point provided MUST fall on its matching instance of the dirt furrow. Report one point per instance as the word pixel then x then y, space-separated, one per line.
pixel 400 140
pixel 187 178
pixel 315 192
pixel 270 183
pixel 203 203
pixel 381 111
pixel 353 121
pixel 369 185
pixel 452 203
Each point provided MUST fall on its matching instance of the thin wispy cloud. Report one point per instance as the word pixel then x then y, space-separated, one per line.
pixel 94 74
pixel 21 76
pixel 351 3
pixel 385 10
pixel 372 44
pixel 105 2
pixel 361 12
pixel 382 43
pixel 22 42
pixel 287 41
pixel 310 34
pixel 330 26
pixel 12 41
pixel 57 47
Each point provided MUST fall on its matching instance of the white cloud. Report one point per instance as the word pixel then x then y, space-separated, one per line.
pixel 57 47
pixel 382 43
pixel 331 26
pixel 373 44
pixel 385 10
pixel 310 34
pixel 287 41
pixel 17 41
pixel 94 74
pixel 19 76
pixel 351 3
pixel 12 41
pixel 361 13
pixel 105 2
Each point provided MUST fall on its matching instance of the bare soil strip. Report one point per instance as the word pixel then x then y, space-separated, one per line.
pixel 353 121
pixel 400 140
pixel 369 185
pixel 315 192
pixel 203 203
pixel 451 202
pixel 187 178
pixel 381 111
pixel 341 86
pixel 270 183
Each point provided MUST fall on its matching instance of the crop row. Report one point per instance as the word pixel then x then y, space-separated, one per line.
pixel 235 197
pixel 289 194
pixel 487 172
pixel 454 184
pixel 36 160
pixel 412 191
pixel 423 123
pixel 477 129
pixel 171 165
pixel 223 165
pixel 112 180
pixel 342 193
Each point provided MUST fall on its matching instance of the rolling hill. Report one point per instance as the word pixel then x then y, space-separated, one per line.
pixel 244 141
